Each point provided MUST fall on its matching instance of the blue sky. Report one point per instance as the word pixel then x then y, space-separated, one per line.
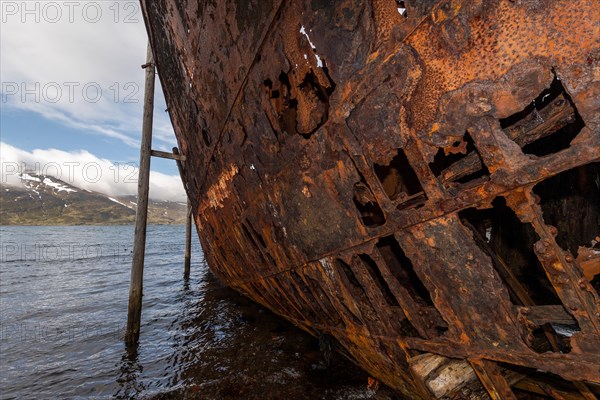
pixel 71 81
pixel 29 130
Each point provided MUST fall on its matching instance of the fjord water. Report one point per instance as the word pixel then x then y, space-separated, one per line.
pixel 63 295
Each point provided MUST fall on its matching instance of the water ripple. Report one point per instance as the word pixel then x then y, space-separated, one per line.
pixel 63 315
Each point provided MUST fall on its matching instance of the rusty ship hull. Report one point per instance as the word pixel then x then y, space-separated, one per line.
pixel 415 181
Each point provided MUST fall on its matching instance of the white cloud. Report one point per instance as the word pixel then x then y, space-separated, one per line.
pixel 81 73
pixel 87 171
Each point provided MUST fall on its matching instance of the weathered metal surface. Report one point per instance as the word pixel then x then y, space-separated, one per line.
pixel 405 184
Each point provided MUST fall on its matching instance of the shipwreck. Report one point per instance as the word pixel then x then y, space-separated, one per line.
pixel 416 182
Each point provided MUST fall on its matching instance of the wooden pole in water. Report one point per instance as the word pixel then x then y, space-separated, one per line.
pixel 188 223
pixel 188 241
pixel 134 312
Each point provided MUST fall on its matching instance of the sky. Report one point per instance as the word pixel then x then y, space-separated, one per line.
pixel 72 91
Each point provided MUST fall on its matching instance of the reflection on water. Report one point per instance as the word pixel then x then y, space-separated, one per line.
pixel 62 319
pixel 128 378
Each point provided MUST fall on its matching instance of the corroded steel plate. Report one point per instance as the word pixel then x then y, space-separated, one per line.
pixel 408 179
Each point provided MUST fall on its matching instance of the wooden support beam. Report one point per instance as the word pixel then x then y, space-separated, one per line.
pixel 585 391
pixel 180 168
pixel 134 312
pixel 493 381
pixel 442 376
pixel 541 315
pixel 188 224
pixel 541 388
pixel 164 154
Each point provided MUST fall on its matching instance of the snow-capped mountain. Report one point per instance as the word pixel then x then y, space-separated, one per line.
pixel 45 200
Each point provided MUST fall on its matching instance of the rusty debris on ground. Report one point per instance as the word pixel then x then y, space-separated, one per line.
pixel 417 180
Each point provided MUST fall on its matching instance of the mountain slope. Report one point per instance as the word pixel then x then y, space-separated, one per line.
pixel 43 200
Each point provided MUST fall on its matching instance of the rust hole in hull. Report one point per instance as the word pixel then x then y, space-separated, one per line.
pixel 499 233
pixel 570 202
pixel 547 125
pixel 400 182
